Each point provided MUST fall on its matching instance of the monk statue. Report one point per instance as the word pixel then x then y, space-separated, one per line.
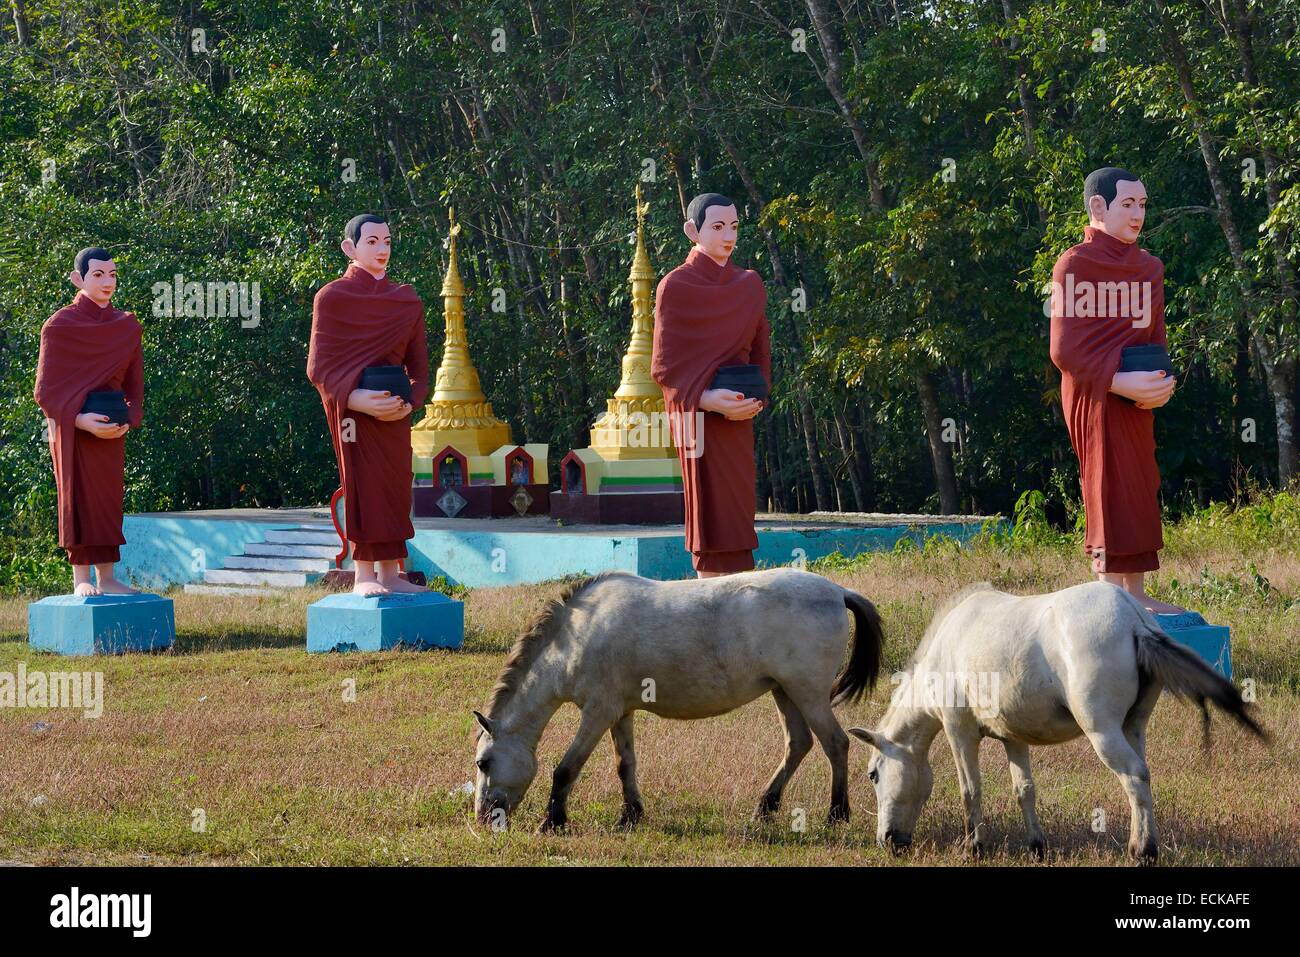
pixel 90 385
pixel 710 315
pixel 370 362
pixel 1108 340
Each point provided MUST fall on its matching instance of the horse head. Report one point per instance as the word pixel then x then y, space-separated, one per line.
pixel 506 765
pixel 902 778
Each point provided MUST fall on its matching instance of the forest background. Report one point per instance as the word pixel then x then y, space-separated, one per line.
pixel 907 172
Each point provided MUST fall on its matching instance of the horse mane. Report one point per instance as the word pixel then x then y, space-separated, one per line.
pixel 530 644
pixel 942 613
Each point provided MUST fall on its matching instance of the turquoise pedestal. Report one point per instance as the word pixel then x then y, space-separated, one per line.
pixel 100 624
pixel 416 622
pixel 1211 642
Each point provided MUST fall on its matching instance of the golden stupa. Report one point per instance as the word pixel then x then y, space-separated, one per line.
pixel 631 448
pixel 472 446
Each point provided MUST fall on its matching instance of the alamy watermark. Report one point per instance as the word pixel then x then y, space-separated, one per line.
pixel 645 430
pixel 82 690
pixel 211 300
pixel 130 911
pixel 1085 299
pixel 945 689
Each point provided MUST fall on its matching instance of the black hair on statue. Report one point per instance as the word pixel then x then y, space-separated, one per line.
pixel 82 262
pixel 352 230
pixel 1105 182
pixel 700 205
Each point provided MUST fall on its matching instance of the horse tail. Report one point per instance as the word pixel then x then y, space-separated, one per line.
pixel 859 675
pixel 1184 674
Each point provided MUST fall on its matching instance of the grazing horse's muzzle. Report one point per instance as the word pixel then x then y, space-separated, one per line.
pixel 493 812
pixel 897 841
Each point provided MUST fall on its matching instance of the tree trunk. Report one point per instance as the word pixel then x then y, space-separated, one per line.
pixel 827 439
pixel 832 77
pixel 862 459
pixel 848 461
pixel 1028 109
pixel 1240 387
pixel 20 24
pixel 945 476
pixel 1279 369
pixel 769 464
pixel 1242 33
pixel 809 428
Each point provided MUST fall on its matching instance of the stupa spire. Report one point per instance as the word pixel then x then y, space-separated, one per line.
pixel 620 432
pixel 458 412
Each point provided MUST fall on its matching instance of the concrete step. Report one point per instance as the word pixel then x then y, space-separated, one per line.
pixel 277 563
pixel 304 535
pixel 238 576
pixel 200 588
pixel 294 551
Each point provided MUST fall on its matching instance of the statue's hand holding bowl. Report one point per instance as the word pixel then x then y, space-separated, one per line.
pixel 381 405
pixel 730 403
pixel 403 410
pixel 100 426
pixel 1148 390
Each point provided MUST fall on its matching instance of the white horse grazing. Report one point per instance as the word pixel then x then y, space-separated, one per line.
pixel 616 643
pixel 1028 671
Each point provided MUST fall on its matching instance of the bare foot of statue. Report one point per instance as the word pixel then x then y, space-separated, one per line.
pixel 111 586
pixel 366 583
pixel 1160 607
pixel 390 573
pixel 86 590
pixel 396 583
pixel 1135 584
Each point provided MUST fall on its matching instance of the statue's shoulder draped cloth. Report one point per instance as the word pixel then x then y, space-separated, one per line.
pixel 1109 294
pixel 708 316
pixel 360 321
pixel 87 348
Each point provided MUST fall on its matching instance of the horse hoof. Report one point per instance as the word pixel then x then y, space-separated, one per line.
pixel 1145 856
pixel 552 824
pixel 1038 849
pixel 975 849
pixel 767 808
pixel 631 817
pixel 838 815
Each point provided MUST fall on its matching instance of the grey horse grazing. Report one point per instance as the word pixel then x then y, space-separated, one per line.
pixel 1027 671
pixel 617 643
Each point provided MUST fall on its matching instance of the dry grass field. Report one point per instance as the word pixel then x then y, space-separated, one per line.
pixel 239 724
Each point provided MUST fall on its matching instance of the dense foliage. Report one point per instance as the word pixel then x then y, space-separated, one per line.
pixel 909 172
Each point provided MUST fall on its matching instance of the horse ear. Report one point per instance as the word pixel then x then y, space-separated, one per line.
pixel 862 734
pixel 484 722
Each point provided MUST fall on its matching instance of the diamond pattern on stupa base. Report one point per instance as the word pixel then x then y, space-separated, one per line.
pixel 452 502
pixel 521 500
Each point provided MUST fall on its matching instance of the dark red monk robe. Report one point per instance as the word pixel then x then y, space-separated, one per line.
pixel 708 316
pixel 85 348
pixel 360 321
pixel 1113 438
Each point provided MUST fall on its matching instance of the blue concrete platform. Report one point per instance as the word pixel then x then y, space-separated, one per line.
pixel 1211 642
pixel 100 624
pixel 414 622
pixel 174 548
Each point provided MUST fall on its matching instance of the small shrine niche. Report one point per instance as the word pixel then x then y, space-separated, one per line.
pixel 452 468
